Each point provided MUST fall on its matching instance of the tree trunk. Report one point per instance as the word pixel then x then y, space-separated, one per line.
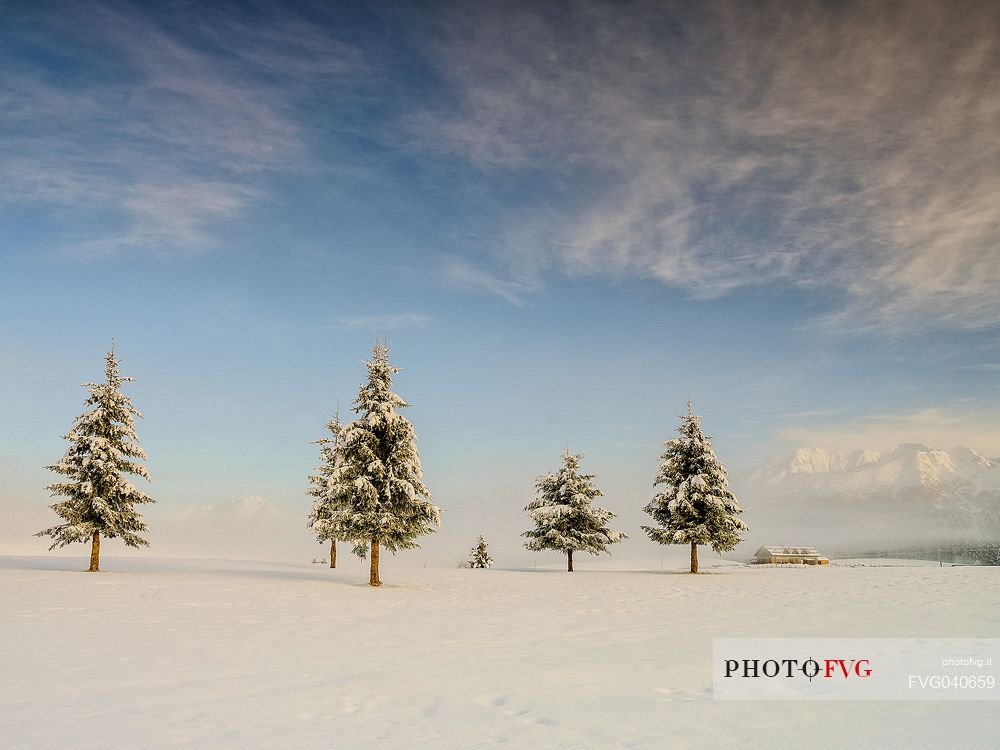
pixel 569 561
pixel 694 557
pixel 95 553
pixel 333 553
pixel 373 579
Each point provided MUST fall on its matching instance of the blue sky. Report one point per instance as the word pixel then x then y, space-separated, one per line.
pixel 569 219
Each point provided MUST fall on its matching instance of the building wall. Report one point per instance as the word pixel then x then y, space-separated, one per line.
pixel 792 560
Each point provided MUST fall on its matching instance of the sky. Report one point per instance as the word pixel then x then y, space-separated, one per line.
pixel 568 218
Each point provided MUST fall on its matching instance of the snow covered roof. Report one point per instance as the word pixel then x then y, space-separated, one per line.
pixel 771 551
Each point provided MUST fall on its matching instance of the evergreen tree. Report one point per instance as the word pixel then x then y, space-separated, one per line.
pixel 564 518
pixel 377 493
pixel 695 505
pixel 103 448
pixel 323 518
pixel 480 557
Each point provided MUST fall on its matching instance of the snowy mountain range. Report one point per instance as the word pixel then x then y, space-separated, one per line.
pixel 913 490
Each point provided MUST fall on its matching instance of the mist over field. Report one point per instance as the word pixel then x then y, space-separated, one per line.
pixel 843 502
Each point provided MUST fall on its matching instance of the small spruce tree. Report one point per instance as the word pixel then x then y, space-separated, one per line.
pixel 480 556
pixel 324 518
pixel 695 505
pixel 564 518
pixel 377 491
pixel 103 449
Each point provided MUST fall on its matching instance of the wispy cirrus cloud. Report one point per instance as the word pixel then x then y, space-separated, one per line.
pixel 466 275
pixel 165 130
pixel 848 147
pixel 169 215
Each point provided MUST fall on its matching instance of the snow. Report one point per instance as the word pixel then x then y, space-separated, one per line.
pixel 207 654
pixel 882 562
pixel 818 471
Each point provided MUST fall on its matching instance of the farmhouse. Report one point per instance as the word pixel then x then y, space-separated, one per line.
pixel 800 555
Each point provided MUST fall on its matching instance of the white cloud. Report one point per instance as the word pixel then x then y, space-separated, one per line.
pixel 466 276
pixel 850 147
pixel 938 427
pixel 156 134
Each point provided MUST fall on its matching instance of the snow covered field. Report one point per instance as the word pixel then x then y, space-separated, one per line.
pixel 208 654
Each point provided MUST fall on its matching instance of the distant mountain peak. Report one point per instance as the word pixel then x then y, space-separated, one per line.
pixel 912 448
pixel 961 454
pixel 912 492
pixel 959 478
pixel 813 461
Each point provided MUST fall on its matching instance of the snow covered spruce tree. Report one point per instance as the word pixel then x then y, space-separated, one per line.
pixel 377 494
pixel 695 505
pixel 564 518
pixel 480 557
pixel 324 516
pixel 103 448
